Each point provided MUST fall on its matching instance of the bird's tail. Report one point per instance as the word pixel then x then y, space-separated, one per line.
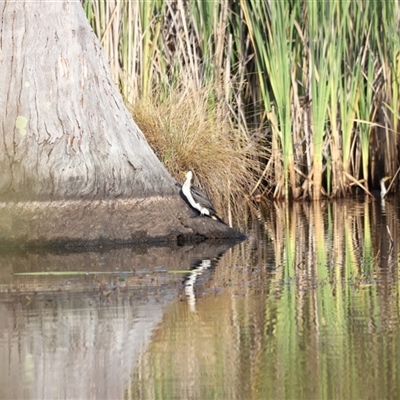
pixel 216 217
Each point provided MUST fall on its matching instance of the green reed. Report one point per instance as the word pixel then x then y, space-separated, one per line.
pixel 388 50
pixel 366 112
pixel 315 85
pixel 319 69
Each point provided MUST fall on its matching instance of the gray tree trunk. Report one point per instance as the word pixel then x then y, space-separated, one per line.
pixel 66 132
pixel 74 167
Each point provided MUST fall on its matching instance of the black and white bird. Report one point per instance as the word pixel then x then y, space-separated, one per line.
pixel 383 186
pixel 198 199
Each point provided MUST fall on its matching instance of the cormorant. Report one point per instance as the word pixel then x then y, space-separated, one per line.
pixel 383 187
pixel 198 199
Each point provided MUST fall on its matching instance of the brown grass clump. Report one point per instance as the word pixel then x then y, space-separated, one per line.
pixel 189 132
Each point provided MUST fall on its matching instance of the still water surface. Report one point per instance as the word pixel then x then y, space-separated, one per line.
pixel 306 308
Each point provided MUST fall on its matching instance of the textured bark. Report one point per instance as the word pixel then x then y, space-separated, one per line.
pixel 65 131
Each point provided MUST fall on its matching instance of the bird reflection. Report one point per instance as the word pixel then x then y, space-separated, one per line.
pixel 191 280
pixel 383 193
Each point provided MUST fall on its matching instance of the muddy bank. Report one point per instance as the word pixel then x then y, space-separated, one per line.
pixel 106 223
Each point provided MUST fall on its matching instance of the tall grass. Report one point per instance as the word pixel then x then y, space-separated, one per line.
pixel 187 132
pixel 313 84
pixel 274 68
pixel 320 42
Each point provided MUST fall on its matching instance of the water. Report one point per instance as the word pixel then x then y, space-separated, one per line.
pixel 306 308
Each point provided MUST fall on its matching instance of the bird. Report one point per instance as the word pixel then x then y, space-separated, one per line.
pixel 383 187
pixel 198 199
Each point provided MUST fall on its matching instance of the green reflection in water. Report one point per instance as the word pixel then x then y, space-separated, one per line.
pixel 308 308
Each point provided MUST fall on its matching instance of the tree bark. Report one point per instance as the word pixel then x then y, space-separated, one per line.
pixel 66 132
pixel 68 144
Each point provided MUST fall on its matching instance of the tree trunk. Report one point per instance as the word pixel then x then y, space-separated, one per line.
pixel 66 132
pixel 66 135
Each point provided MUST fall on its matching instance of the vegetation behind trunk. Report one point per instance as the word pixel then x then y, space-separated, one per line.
pixel 316 82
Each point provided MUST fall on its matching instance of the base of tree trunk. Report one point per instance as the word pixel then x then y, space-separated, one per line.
pixel 106 223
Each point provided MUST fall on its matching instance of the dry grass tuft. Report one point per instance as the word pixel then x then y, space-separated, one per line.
pixel 188 132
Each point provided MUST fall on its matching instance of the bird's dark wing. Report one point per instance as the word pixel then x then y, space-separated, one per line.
pixel 201 198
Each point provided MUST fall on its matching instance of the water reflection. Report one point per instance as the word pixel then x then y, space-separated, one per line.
pixel 306 308
pixel 191 279
pixel 74 324
pixel 71 346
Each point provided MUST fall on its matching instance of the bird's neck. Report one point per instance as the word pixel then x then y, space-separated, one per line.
pixel 383 188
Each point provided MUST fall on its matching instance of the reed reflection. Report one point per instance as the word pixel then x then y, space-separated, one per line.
pixel 307 308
